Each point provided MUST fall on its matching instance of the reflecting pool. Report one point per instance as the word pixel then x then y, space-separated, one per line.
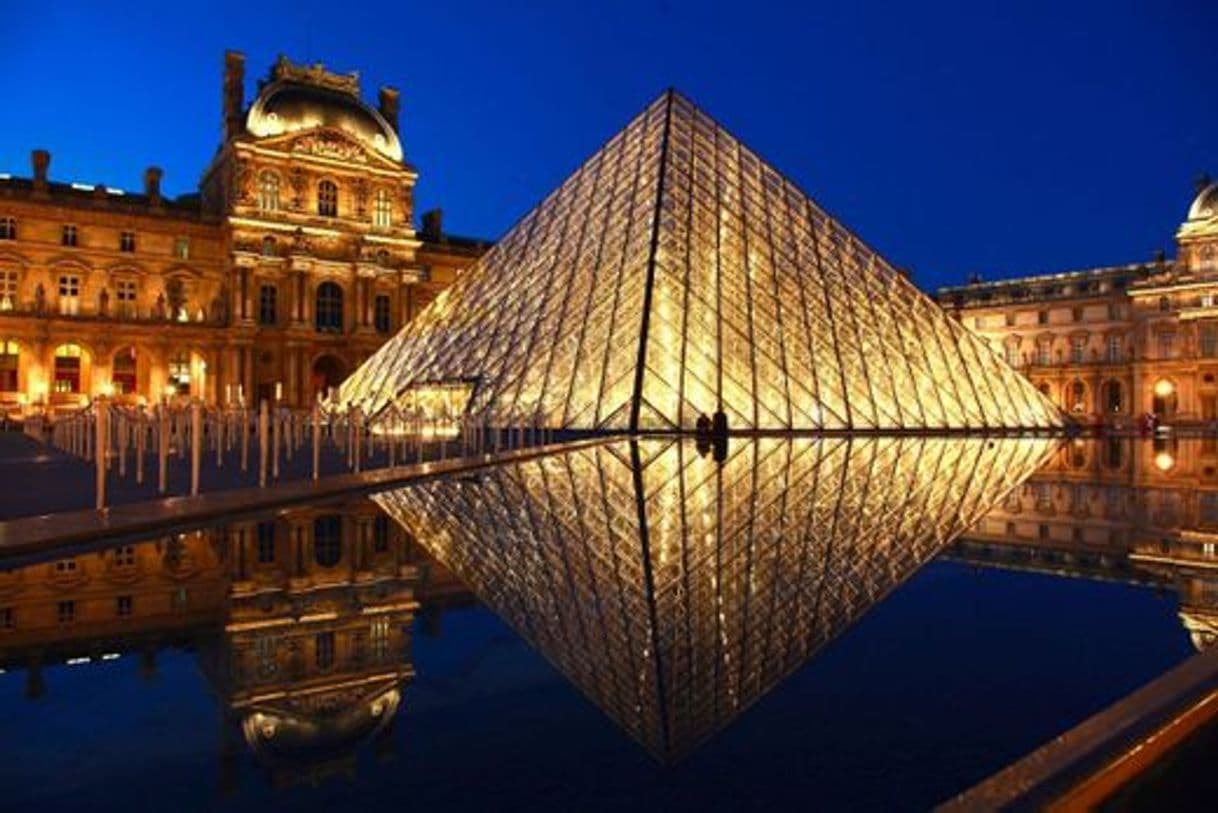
pixel 870 623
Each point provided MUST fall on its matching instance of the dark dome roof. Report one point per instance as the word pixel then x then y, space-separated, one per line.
pixel 285 737
pixel 285 106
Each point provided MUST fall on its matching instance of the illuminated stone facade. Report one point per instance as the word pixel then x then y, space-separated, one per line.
pixel 302 622
pixel 675 276
pixel 1111 344
pixel 295 260
pixel 1144 512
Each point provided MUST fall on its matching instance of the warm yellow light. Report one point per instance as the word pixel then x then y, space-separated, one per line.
pixel 1164 461
pixel 170 390
pixel 107 389
pixel 1164 388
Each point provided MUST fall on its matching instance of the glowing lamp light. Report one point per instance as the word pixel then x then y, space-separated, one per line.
pixel 169 391
pixel 1164 388
pixel 1164 461
pixel 107 389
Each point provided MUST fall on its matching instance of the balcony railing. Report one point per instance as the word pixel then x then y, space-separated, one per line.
pixel 116 314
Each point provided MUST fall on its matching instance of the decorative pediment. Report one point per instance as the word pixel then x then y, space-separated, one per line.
pixel 69 262
pixel 13 258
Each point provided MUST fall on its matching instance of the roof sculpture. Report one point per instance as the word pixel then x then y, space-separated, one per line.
pixel 676 274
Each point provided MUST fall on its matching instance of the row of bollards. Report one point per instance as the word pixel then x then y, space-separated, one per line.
pixel 109 433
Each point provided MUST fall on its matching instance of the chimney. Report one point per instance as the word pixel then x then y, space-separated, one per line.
pixel 433 221
pixel 234 94
pixel 152 185
pixel 41 160
pixel 391 105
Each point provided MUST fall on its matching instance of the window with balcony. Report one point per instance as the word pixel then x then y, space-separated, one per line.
pixel 268 192
pixel 68 236
pixel 8 290
pixel 126 242
pixel 123 375
pixel 382 209
pixel 1078 349
pixel 268 305
pixel 67 368
pixel 124 294
pixel 1044 353
pixel 8 228
pixel 69 294
pixel 381 314
pixel 327 199
pixel 179 373
pixel 10 359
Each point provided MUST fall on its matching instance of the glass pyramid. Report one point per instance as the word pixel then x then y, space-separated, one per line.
pixel 676 274
pixel 675 591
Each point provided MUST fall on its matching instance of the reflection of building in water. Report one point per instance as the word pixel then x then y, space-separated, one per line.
pixel 303 623
pixel 1143 511
pixel 674 591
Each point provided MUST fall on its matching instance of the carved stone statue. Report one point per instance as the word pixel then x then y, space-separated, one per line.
pixel 159 308
pixel 40 299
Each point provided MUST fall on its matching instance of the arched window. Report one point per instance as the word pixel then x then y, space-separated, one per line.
pixel 268 191
pixel 1113 397
pixel 67 368
pixel 328 308
pixel 328 540
pixel 382 209
pixel 327 199
pixel 1078 396
pixel 179 373
pixel 122 374
pixel 10 357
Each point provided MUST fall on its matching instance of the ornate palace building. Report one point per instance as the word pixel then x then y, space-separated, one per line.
pixel 297 257
pixel 1110 344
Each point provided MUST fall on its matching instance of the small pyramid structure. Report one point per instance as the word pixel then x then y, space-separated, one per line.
pixel 675 274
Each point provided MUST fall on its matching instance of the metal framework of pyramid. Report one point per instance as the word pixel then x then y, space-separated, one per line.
pixel 676 274
pixel 675 591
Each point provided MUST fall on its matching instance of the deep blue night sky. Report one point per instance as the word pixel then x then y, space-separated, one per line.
pixel 1003 138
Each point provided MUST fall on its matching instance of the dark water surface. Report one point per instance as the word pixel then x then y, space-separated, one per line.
pixel 808 624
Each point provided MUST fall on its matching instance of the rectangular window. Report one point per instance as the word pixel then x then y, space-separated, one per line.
pixel 68 237
pixel 126 241
pixel 123 606
pixel 1076 314
pixel 266 542
pixel 8 290
pixel 1116 311
pixel 64 566
pixel 1043 354
pixel 378 635
pixel 1167 345
pixel 1078 349
pixel 1011 319
pixel 268 301
pixel 7 618
pixel 125 294
pixel 382 210
pixel 382 314
pixel 65 612
pixel 1042 317
pixel 1012 355
pixel 323 650
pixel 10 356
pixel 8 228
pixel 181 248
pixel 380 533
pixel 1114 348
pixel 125 556
pixel 1209 341
pixel 69 294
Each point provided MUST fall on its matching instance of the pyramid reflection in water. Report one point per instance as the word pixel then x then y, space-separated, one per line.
pixel 676 274
pixel 675 591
